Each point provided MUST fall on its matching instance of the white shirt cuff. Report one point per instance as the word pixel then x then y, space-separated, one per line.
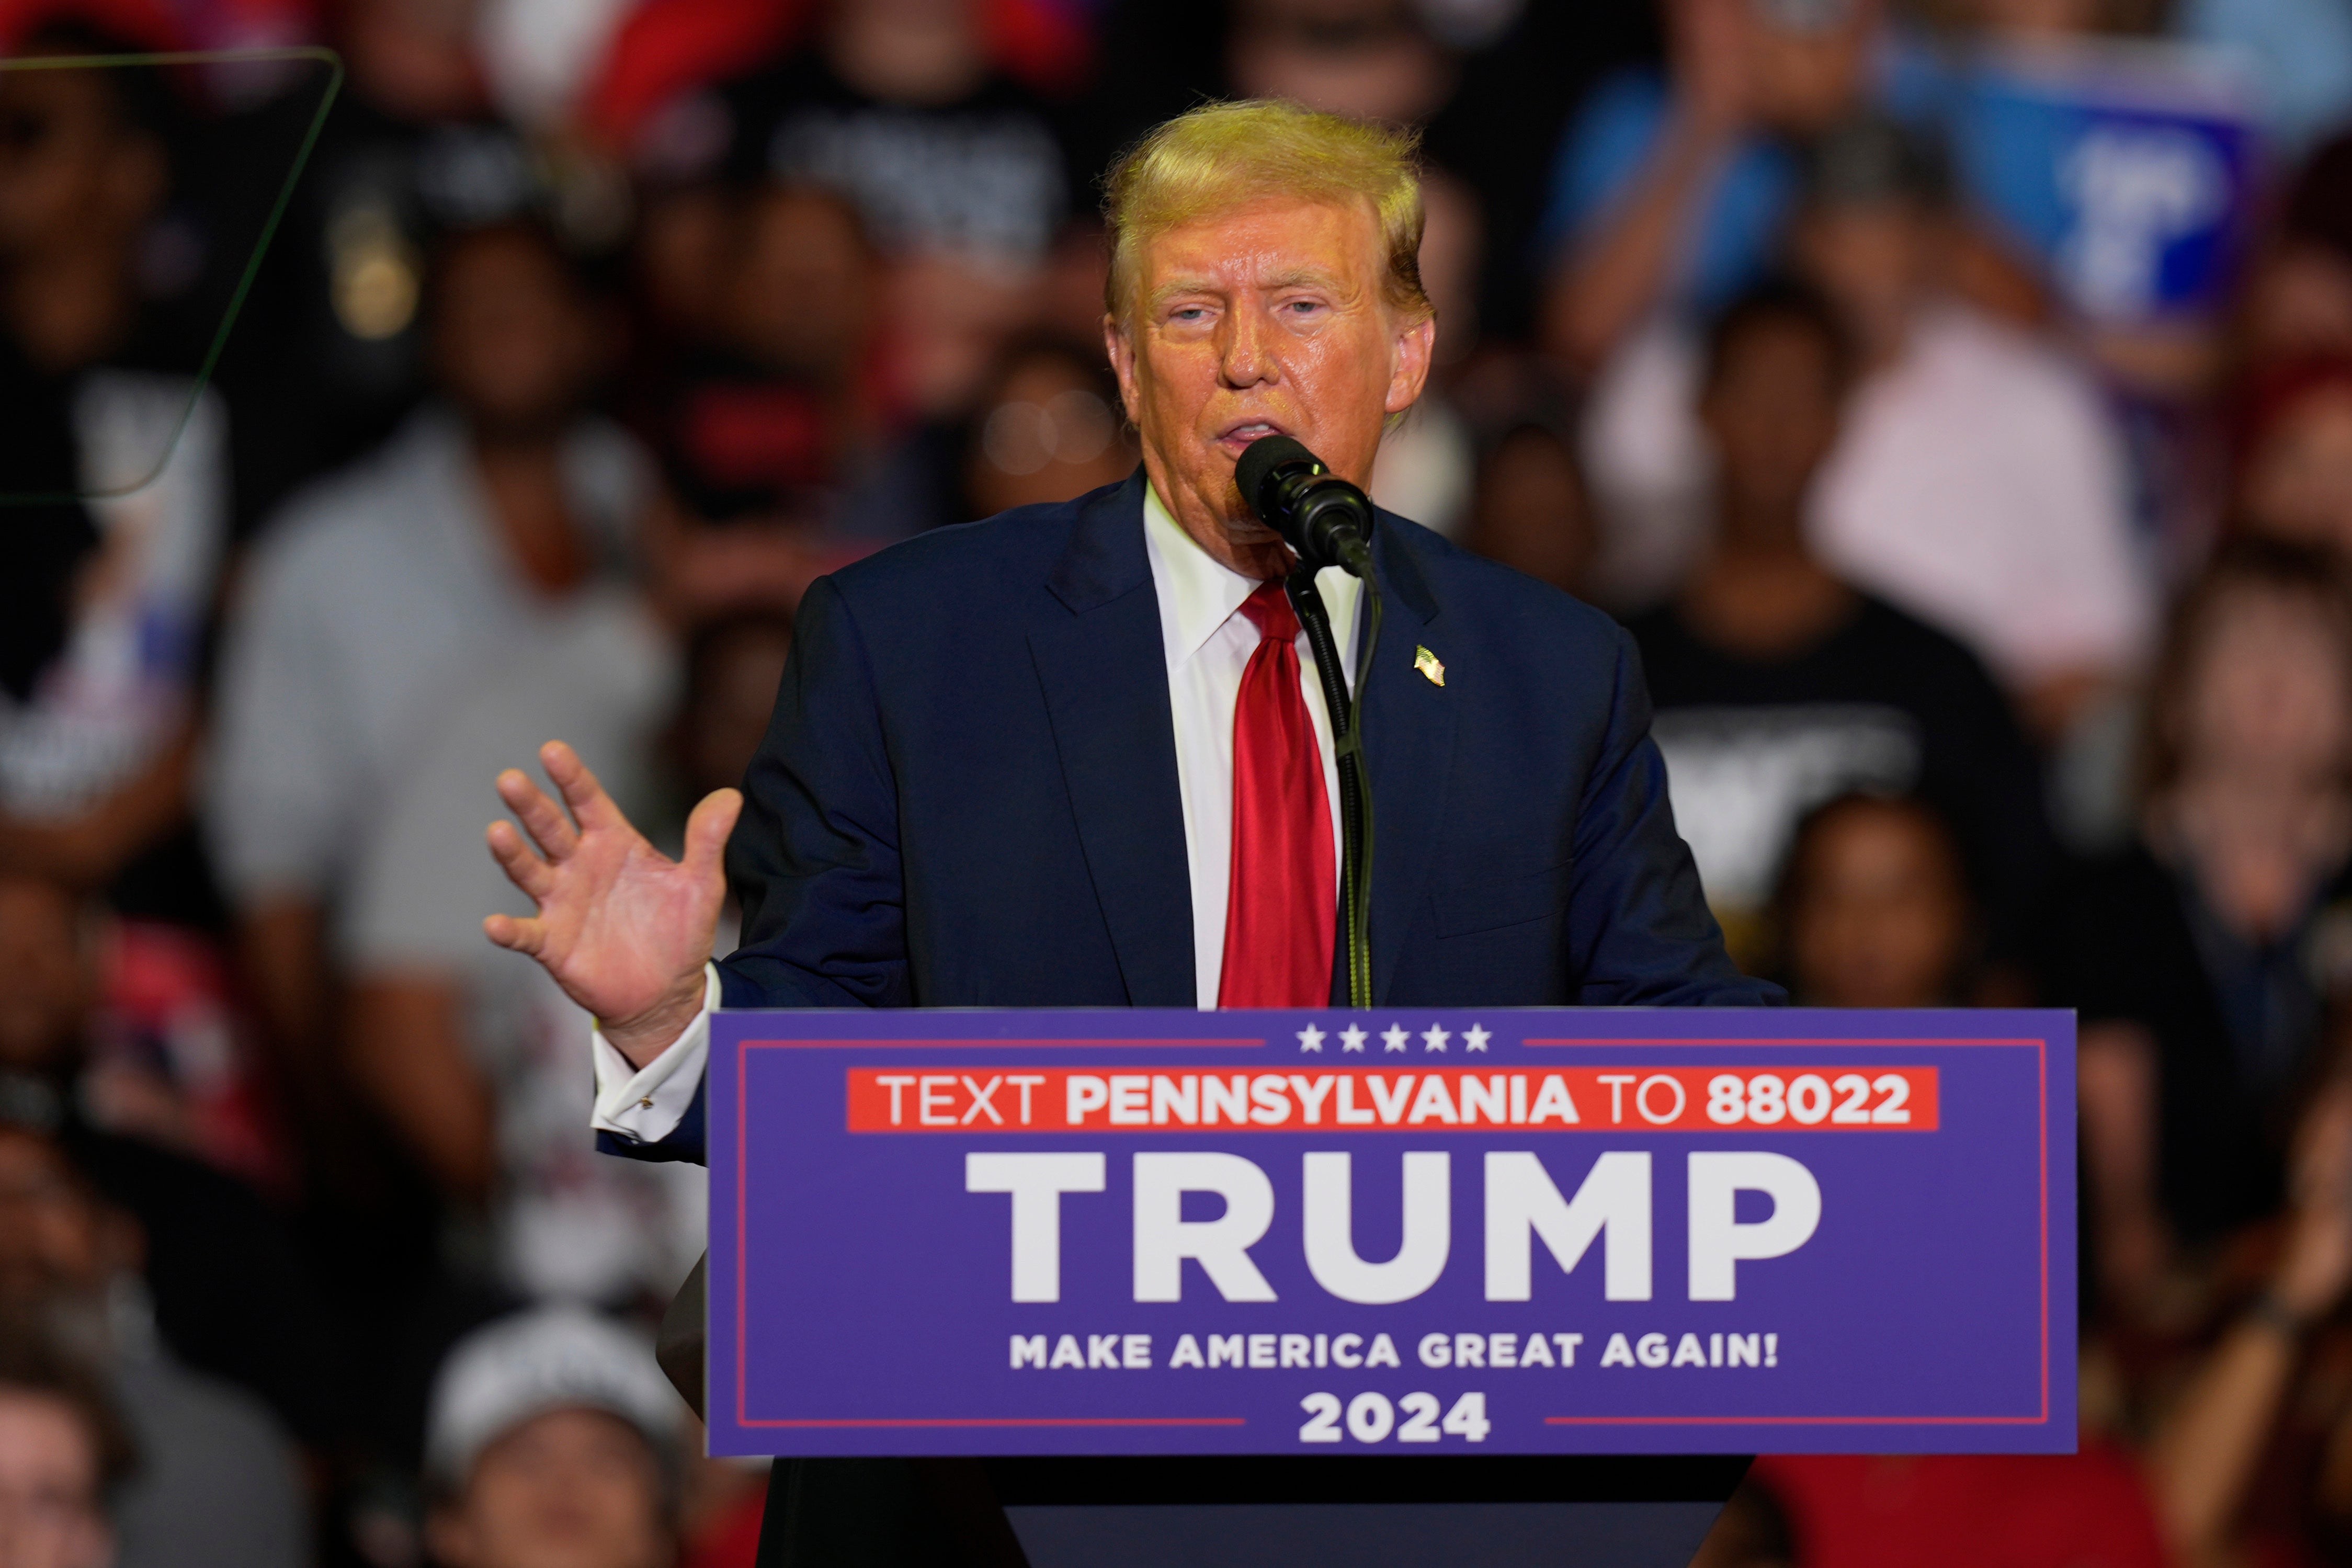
pixel 647 1104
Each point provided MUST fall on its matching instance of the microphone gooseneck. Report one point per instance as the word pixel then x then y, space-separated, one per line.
pixel 1326 521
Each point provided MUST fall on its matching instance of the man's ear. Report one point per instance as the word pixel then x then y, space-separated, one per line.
pixel 1415 346
pixel 1121 350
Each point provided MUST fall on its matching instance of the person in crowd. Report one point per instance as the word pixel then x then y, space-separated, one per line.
pixel 378 596
pixel 2295 455
pixel 767 421
pixel 2297 298
pixel 105 601
pixel 333 351
pixel 734 666
pixel 474 576
pixel 1048 428
pixel 776 431
pixel 1874 908
pixel 474 1061
pixel 1368 60
pixel 1778 684
pixel 553 1442
pixel 2208 1452
pixel 65 1454
pixel 1672 189
pixel 231 1297
pixel 1530 511
pixel 217 1485
pixel 2201 959
pixel 957 169
pixel 1670 194
pixel 1981 481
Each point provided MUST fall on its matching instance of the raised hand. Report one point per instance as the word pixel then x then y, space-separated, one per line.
pixel 624 928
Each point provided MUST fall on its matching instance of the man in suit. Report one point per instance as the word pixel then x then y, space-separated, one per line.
pixel 1074 757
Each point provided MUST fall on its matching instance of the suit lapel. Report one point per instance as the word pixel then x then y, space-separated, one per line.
pixel 1104 670
pixel 1408 724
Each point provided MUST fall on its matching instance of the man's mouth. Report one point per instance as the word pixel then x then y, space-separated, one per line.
pixel 1238 436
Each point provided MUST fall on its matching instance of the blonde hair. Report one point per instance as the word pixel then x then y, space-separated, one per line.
pixel 1224 155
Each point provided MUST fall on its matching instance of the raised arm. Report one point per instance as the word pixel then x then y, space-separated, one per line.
pixel 625 930
pixel 1621 266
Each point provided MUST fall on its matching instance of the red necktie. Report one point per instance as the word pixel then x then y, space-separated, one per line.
pixel 1282 907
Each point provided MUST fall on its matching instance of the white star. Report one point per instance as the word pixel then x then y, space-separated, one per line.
pixel 1351 1038
pixel 1395 1037
pixel 1436 1037
pixel 1474 1037
pixel 1310 1039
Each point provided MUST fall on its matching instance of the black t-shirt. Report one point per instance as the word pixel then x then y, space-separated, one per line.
pixel 2237 1026
pixel 1884 703
pixel 231 1298
pixel 986 174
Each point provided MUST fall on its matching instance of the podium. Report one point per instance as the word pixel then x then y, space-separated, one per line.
pixel 1503 1287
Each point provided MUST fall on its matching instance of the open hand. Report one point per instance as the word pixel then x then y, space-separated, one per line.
pixel 622 927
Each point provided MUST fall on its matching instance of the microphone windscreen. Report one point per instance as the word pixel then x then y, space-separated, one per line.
pixel 1260 458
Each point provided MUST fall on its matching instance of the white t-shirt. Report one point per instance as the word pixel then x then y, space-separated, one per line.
pixel 567 1222
pixel 122 686
pixel 1982 485
pixel 369 608
pixel 1979 483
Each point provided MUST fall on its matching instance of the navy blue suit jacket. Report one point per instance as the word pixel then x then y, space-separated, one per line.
pixel 968 797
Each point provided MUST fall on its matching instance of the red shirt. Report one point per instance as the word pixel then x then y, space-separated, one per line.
pixel 2090 1510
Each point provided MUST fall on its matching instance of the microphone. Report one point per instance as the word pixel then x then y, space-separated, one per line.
pixel 1322 517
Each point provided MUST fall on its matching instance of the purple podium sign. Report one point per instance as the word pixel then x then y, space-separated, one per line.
pixel 1508 1231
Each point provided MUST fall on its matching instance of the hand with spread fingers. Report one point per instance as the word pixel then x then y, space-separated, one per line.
pixel 624 928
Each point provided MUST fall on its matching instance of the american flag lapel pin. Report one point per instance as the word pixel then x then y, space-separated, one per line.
pixel 1429 664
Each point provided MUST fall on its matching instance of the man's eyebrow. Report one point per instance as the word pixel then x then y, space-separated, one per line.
pixel 1300 277
pixel 1178 286
pixel 1304 278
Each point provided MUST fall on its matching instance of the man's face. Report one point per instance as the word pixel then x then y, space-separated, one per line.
pixel 1873 259
pixel 50 1510
pixel 571 1489
pixel 514 344
pixel 1771 412
pixel 53 1237
pixel 1803 78
pixel 1882 918
pixel 1264 320
pixel 69 174
pixel 802 283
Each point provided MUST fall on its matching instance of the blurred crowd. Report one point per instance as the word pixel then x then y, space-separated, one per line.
pixel 1953 396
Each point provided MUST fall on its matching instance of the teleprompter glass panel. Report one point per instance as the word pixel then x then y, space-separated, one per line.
pixel 139 195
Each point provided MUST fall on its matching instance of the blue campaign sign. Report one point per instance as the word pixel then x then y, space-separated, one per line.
pixel 2130 168
pixel 1508 1231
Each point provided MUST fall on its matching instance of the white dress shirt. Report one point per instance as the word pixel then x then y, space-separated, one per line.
pixel 1209 643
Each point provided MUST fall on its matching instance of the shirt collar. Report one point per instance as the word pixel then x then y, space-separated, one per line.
pixel 1199 593
pixel 1202 592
